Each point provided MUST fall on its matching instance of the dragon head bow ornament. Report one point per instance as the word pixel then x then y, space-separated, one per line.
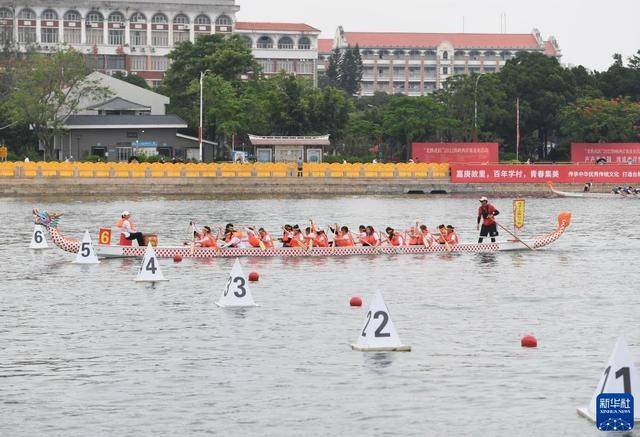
pixel 45 218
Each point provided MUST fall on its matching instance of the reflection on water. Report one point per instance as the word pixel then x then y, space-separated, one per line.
pixel 168 361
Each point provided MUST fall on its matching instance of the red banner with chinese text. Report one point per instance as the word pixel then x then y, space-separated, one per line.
pixel 454 152
pixel 613 153
pixel 507 173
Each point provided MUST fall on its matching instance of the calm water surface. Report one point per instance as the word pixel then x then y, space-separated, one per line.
pixel 84 350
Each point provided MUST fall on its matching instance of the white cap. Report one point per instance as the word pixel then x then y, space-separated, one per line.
pixel 125 213
pixel 484 199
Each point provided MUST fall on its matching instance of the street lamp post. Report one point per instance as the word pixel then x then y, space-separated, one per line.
pixel 475 110
pixel 202 75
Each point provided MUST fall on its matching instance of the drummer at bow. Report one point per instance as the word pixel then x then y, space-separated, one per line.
pixel 128 228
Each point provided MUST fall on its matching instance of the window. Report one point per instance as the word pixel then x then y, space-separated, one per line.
pixel 49 35
pixel 398 54
pixel 95 62
pixel 116 37
pixel 115 62
pixel 138 63
pixel 285 43
pixel 445 55
pixel 180 36
pixel 202 20
pixel 26 35
pixel 159 19
pixel 159 63
pixel 304 43
pixel 95 36
pixel 94 17
pixel 72 35
pixel 138 17
pixel 445 70
pixel 248 42
pixel 264 42
pixel 223 20
pixel 49 14
pixel 159 38
pixel 116 17
pixel 383 54
pixel 305 67
pixel 6 30
pixel 180 19
pixel 5 13
pixel 27 14
pixel 72 16
pixel 285 65
pixel 266 64
pixel 138 37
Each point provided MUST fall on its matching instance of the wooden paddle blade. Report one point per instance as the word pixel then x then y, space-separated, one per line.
pixel 564 219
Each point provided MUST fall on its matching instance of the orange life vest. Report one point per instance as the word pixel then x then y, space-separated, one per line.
pixel 343 240
pixel 321 240
pixel 298 241
pixel 208 241
pixel 396 240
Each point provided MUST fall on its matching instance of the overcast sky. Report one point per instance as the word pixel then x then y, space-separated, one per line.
pixel 588 31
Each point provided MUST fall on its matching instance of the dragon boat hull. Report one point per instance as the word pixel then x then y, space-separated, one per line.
pixel 110 251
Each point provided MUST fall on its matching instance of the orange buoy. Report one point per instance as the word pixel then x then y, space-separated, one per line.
pixel 254 276
pixel 355 301
pixel 177 258
pixel 529 341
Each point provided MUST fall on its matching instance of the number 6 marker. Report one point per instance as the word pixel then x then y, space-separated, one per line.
pixel 379 333
pixel 38 240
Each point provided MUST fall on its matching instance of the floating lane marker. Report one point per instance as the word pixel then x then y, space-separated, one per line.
pixel 237 293
pixel 86 253
pixel 619 376
pixel 150 267
pixel 379 333
pixel 38 240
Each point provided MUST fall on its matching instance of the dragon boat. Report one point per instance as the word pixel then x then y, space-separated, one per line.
pixel 589 195
pixel 51 221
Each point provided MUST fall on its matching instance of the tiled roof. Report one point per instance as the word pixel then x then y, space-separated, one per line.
pixel 550 49
pixel 458 40
pixel 289 27
pixel 325 45
pixel 118 121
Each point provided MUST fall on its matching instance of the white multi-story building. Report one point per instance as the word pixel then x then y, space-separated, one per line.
pixel 418 63
pixel 136 36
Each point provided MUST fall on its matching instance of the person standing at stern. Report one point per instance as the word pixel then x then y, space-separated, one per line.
pixel 486 214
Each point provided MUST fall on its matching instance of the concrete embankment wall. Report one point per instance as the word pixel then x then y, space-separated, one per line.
pixel 78 187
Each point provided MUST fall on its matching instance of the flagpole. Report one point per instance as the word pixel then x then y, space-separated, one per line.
pixel 517 128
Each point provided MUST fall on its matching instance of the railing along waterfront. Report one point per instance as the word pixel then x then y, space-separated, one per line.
pixel 219 170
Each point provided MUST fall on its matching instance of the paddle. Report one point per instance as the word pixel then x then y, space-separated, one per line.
pixel 447 246
pixel 512 234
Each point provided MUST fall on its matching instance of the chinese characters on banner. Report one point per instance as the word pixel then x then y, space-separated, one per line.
pixel 613 153
pixel 518 213
pixel 578 174
pixel 455 152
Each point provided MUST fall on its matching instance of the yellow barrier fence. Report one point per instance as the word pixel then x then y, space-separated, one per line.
pixel 221 170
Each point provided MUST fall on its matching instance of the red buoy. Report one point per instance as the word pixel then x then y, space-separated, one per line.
pixel 529 341
pixel 355 301
pixel 254 276
pixel 177 258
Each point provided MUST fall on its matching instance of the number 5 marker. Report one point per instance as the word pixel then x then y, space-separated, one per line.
pixel 379 333
pixel 86 252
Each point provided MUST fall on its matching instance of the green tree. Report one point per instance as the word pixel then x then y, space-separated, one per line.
pixel 334 69
pixel 601 120
pixel 543 87
pixel 133 79
pixel 620 80
pixel 47 89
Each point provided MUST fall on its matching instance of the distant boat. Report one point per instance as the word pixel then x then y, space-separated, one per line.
pixel 589 195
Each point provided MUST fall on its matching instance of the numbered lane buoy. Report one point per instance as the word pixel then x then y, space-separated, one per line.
pixel 355 301
pixel 236 292
pixel 254 276
pixel 379 333
pixel 619 376
pixel 529 341
pixel 150 268
pixel 86 252
pixel 38 240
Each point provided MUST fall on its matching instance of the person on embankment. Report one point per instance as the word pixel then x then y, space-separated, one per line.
pixel 486 215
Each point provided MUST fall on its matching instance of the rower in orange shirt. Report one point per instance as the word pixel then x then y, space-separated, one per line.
pixel 265 238
pixel 452 236
pixel 395 239
pixel 426 236
pixel 287 235
pixel 321 239
pixel 206 238
pixel 370 238
pixel 415 237
pixel 298 239
pixel 342 237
